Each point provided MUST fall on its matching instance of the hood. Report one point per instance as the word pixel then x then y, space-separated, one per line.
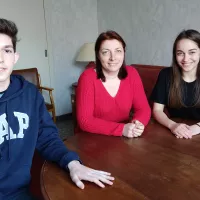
pixel 16 87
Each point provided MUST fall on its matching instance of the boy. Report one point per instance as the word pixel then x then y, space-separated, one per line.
pixel 25 124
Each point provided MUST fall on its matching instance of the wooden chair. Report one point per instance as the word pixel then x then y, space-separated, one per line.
pixel 33 76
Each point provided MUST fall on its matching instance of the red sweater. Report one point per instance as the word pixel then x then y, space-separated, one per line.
pixel 98 112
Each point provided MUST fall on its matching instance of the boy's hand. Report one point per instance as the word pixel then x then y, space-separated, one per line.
pixel 80 172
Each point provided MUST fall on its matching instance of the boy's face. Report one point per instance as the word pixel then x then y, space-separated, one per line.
pixel 8 58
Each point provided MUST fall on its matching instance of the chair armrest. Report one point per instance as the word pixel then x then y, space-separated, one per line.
pixel 50 93
pixel 46 88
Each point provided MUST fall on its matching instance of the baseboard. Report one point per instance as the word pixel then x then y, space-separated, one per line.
pixel 67 116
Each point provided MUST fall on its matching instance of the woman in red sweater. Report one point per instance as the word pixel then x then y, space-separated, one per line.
pixel 107 93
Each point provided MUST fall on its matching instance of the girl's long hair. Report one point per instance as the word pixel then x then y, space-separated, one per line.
pixel 176 91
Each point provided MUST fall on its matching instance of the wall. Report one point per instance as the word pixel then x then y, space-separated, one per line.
pixel 29 18
pixel 70 23
pixel 149 27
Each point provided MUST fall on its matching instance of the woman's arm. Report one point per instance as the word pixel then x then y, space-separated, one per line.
pixel 178 129
pixel 161 117
pixel 85 100
pixel 141 108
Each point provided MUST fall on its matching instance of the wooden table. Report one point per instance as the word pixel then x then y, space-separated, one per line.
pixel 155 166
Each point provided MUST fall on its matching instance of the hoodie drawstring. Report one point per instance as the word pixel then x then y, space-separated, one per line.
pixel 8 131
pixel 16 87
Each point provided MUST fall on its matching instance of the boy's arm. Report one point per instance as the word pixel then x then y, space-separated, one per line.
pixel 49 143
pixel 52 148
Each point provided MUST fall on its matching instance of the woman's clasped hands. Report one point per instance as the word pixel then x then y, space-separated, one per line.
pixel 133 129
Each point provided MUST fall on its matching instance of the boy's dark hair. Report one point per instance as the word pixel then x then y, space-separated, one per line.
pixel 9 28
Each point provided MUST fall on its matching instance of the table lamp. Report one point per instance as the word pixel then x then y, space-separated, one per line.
pixel 87 54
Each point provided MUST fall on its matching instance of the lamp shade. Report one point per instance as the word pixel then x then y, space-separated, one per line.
pixel 86 53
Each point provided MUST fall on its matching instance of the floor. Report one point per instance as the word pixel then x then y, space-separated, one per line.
pixel 65 127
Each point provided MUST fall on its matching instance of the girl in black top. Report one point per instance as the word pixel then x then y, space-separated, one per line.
pixel 178 87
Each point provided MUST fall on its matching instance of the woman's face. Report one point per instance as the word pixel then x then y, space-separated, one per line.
pixel 187 55
pixel 111 55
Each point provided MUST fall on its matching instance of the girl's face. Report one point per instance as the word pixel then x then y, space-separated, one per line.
pixel 187 55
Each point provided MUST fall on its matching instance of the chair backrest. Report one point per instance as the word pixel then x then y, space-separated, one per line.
pixel 148 75
pixel 30 75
